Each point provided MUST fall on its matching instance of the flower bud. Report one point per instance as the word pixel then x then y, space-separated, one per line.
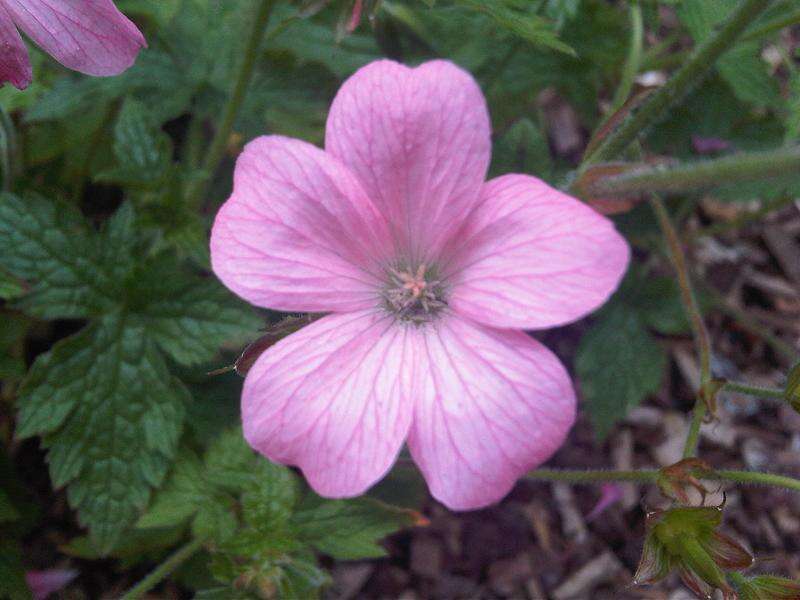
pixel 675 480
pixel 686 539
pixel 767 586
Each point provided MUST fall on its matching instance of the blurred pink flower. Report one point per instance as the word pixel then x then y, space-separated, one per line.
pixel 610 494
pixel 49 581
pixel 429 274
pixel 90 36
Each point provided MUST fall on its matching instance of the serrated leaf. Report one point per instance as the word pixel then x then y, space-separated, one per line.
pixel 618 364
pixel 271 498
pixel 110 415
pixel 187 494
pixel 190 318
pixel 230 462
pixel 48 245
pixel 349 529
pixel 142 151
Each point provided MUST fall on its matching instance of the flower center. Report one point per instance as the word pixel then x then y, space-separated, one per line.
pixel 414 295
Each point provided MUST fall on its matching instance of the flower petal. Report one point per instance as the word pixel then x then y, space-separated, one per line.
pixel 298 233
pixel 334 399
pixel 419 140
pixel 532 257
pixel 90 36
pixel 15 66
pixel 493 405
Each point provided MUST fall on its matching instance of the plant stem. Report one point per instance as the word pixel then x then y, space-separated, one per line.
pixel 699 331
pixel 680 84
pixel 753 390
pixel 592 476
pixel 757 478
pixel 163 570
pixel 651 476
pixel 633 60
pixel 697 174
pixel 196 191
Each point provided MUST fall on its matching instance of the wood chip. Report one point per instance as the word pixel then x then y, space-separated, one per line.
pixel 572 522
pixel 785 249
pixel 604 568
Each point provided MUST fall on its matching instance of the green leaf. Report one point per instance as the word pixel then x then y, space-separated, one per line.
pixel 349 529
pixel 142 151
pixel 741 67
pixel 267 504
pixel 10 287
pixel 162 12
pixel 186 495
pixel 189 317
pixel 48 245
pixel 314 42
pixel 110 415
pixel 230 463
pixel 522 149
pixel 522 23
pixel 135 547
pixel 618 364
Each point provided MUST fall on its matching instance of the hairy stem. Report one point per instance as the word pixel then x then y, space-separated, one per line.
pixel 757 478
pixel 592 476
pixel 698 174
pixel 753 390
pixel 196 191
pixel 163 570
pixel 680 84
pixel 699 331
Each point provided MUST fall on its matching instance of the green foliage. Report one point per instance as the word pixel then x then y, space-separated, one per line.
pixel 261 527
pixel 117 311
pixel 522 149
pixel 742 67
pixel 103 399
pixel 619 362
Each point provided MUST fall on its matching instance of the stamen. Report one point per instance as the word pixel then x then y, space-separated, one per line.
pixel 413 297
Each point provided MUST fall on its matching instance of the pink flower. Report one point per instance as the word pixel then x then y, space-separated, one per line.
pixel 44 583
pixel 429 274
pixel 90 36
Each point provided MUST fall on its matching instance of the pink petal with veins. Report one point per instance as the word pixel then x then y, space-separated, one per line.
pixel 419 140
pixel 335 399
pixel 90 36
pixel 298 233
pixel 533 257
pixel 491 406
pixel 15 66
